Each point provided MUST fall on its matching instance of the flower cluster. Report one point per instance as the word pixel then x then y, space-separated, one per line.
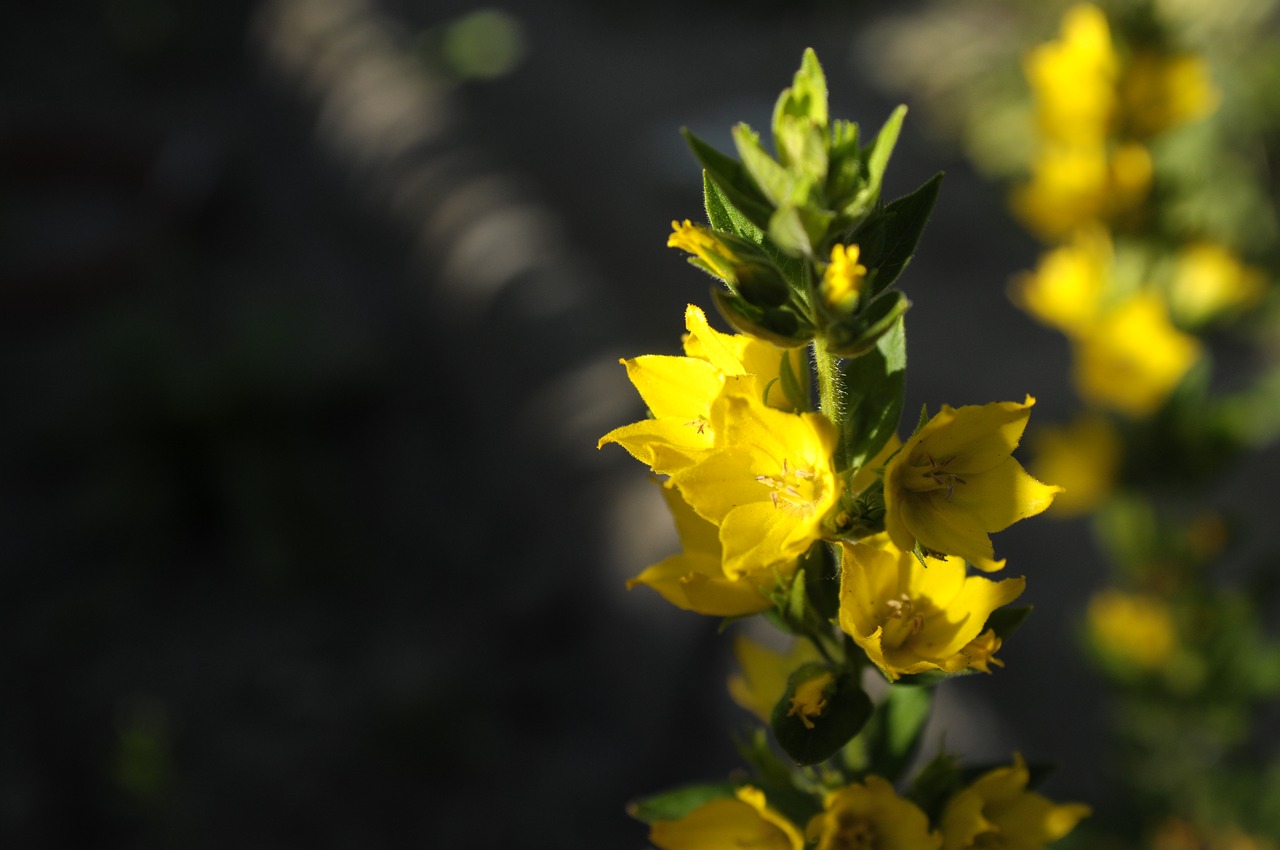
pixel 818 515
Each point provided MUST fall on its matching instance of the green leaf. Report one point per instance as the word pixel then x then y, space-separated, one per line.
pixel 777 184
pixel 723 215
pixel 1005 621
pixel 935 784
pixel 807 96
pixel 776 779
pixel 787 231
pixel 847 710
pixel 781 327
pixel 874 386
pixel 893 736
pixel 890 235
pixel 680 802
pixel 733 180
pixel 882 147
pixel 797 394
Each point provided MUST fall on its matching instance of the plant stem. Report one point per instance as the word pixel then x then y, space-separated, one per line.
pixel 827 366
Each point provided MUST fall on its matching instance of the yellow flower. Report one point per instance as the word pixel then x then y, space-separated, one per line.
pixel 1075 185
pixel 679 392
pixel 997 810
pixel 1067 287
pixel 810 697
pixel 1133 358
pixel 763 675
pixel 694 580
pixel 717 258
pixel 1208 282
pixel 767 484
pixel 1083 457
pixel 1162 91
pixel 843 280
pixel 746 821
pixel 1132 628
pixel 956 480
pixel 910 618
pixel 1073 79
pixel 871 816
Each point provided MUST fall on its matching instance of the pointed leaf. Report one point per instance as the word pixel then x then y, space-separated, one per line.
pixel 733 179
pixel 898 722
pixel 775 182
pixel 723 215
pixel 890 235
pixel 1005 621
pixel 679 802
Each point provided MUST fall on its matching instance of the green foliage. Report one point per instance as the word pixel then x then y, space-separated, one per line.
pixel 893 736
pixel 679 802
pixel 873 386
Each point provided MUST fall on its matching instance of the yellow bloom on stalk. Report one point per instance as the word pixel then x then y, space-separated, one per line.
pixel 844 278
pixel 1083 457
pixel 870 816
pixel 997 810
pixel 956 480
pixel 1073 79
pixel 768 483
pixel 1133 358
pixel 744 821
pixel 703 244
pixel 694 579
pixel 1132 628
pixel 1162 91
pixel 1209 281
pixel 910 618
pixel 1075 185
pixel 679 391
pixel 1067 287
pixel 763 673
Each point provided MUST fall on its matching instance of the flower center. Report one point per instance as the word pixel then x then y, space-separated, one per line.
pixel 901 622
pixel 926 473
pixel 853 833
pixel 794 489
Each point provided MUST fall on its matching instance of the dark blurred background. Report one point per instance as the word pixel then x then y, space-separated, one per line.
pixel 310 317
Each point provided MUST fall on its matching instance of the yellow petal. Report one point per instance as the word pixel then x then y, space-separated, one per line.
pixel 974 437
pixel 937 526
pixel 681 387
pixel 1001 496
pixel 665 445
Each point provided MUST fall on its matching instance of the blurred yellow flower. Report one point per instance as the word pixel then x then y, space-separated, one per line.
pixel 767 484
pixel 694 579
pixel 1072 186
pixel 997 810
pixel 678 391
pixel 1083 458
pixel 1132 628
pixel 910 618
pixel 1067 287
pixel 843 279
pixel 1161 91
pixel 1209 282
pixel 870 814
pixel 717 257
pixel 745 821
pixel 955 481
pixel 763 673
pixel 1073 79
pixel 809 699
pixel 1132 358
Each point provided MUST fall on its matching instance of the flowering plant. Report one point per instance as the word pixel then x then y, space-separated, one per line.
pixel 818 517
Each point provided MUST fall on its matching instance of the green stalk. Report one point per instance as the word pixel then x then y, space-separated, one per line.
pixel 827 365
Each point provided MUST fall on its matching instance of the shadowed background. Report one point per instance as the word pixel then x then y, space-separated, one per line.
pixel 311 318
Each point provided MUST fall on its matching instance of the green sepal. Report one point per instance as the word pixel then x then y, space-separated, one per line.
pixel 806 98
pixel 863 512
pixel 892 737
pixel 874 387
pixel 822 580
pixel 733 180
pixel 1005 621
pixel 780 327
pixel 802 147
pixel 761 284
pixel 855 335
pixel 923 420
pixel 722 215
pixel 935 784
pixel 787 230
pixel 889 236
pixel 679 802
pixel 797 394
pixel 847 710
